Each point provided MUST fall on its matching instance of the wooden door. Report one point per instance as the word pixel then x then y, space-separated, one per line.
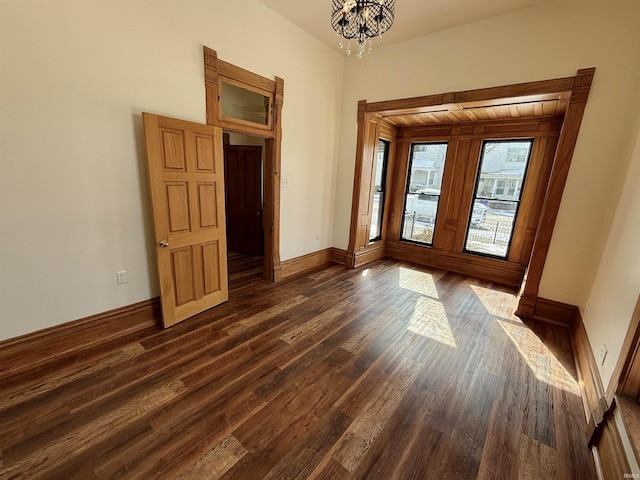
pixel 243 187
pixel 185 166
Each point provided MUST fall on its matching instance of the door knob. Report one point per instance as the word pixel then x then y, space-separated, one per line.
pixel 163 243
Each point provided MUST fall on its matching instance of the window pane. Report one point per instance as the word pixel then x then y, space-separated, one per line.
pixel 377 208
pixel 423 191
pixel 498 190
pixel 243 104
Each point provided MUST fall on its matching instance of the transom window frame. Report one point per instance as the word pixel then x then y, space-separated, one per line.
pixel 224 79
pixel 215 72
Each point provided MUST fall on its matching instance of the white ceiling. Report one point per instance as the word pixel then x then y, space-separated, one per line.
pixel 414 18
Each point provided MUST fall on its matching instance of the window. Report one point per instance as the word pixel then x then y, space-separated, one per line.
pixel 426 167
pixel 380 179
pixel 239 104
pixel 494 211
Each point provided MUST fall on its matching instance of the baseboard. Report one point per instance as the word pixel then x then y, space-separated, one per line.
pixel 339 256
pixel 603 433
pixel 27 351
pixel 592 390
pixel 297 265
pixel 550 311
pixel 498 271
pixel 368 254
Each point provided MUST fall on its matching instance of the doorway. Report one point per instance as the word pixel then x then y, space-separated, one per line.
pixel 244 206
pixel 245 103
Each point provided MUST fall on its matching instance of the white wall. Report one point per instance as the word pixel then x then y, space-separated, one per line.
pixel 74 77
pixel 551 40
pixel 616 288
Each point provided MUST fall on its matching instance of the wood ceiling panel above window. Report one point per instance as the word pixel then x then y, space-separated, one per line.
pixel 524 107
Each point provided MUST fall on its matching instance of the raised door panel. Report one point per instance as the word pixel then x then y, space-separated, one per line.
pixel 177 199
pixel 173 155
pixel 207 205
pixel 205 154
pixel 182 269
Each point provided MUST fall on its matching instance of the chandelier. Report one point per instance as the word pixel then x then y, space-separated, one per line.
pixel 361 21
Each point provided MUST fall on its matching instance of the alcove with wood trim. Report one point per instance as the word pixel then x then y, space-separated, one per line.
pixel 549 111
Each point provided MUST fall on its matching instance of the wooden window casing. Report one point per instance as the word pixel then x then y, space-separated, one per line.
pixel 460 171
pixel 382 191
pixel 532 235
pixel 407 192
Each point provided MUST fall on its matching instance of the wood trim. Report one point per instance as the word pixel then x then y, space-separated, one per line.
pixel 494 129
pixel 370 253
pixel 214 70
pixel 558 313
pixel 602 431
pixel 496 95
pixel 388 133
pixel 555 188
pixel 368 134
pixel 498 271
pixel 304 263
pixel 27 351
pixel 357 181
pixel 611 454
pixel 259 82
pixel 628 359
pixel 589 378
pixel 272 188
pixel 399 178
pixel 339 256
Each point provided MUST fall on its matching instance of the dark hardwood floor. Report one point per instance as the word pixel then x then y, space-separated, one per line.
pixel 389 372
pixel 244 270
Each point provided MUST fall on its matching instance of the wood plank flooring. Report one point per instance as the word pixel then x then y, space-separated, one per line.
pixel 388 372
pixel 244 269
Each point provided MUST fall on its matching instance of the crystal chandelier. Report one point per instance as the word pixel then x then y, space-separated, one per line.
pixel 362 21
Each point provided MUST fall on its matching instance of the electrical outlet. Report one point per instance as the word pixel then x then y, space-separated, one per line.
pixel 121 277
pixel 285 183
pixel 317 235
pixel 603 354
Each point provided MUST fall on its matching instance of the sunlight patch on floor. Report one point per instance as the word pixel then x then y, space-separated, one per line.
pixel 430 320
pixel 500 304
pixel 544 365
pixel 419 282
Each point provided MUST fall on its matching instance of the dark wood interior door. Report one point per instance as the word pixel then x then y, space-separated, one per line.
pixel 243 187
